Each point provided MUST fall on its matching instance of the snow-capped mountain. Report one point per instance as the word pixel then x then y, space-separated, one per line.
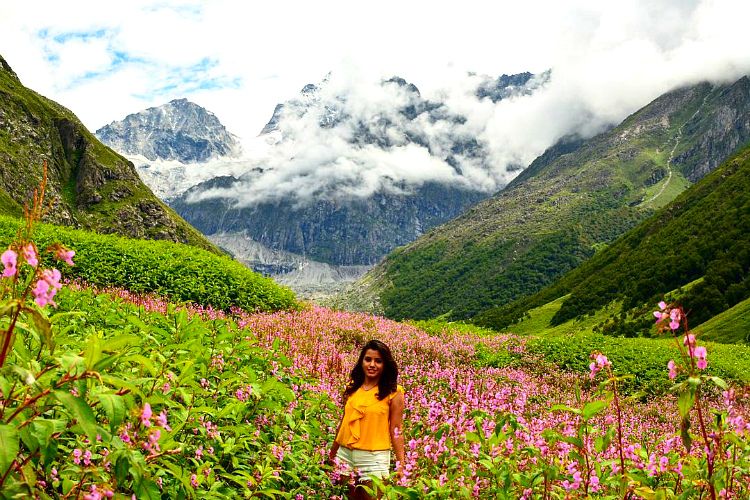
pixel 175 146
pixel 341 176
pixel 179 130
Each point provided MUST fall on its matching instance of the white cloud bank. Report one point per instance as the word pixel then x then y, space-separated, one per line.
pixel 238 59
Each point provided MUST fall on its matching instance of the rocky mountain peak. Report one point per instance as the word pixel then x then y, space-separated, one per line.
pixel 4 66
pixel 179 130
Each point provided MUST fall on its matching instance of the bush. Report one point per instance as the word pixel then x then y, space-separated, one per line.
pixel 178 272
pixel 645 359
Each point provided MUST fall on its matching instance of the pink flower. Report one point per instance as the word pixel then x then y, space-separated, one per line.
pixel 93 495
pixel 29 253
pixel 77 456
pixel 161 421
pixel 47 287
pixel 65 255
pixel 672 369
pixel 600 361
pixel 700 355
pixel 9 260
pixel 674 324
pixel 662 305
pixel 689 340
pixel 146 415
pixel 194 480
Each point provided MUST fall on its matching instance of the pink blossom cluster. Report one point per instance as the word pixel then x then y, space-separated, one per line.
pixel 147 431
pixel 599 362
pixel 47 280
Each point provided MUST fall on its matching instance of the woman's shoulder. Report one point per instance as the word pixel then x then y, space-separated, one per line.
pixel 399 390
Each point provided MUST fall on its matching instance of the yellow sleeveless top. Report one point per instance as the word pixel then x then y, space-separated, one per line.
pixel 366 421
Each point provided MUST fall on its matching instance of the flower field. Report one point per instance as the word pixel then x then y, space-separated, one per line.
pixel 196 405
pixel 109 394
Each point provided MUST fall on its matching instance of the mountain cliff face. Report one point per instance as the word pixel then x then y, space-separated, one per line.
pixel 330 226
pixel 570 201
pixel 346 232
pixel 335 230
pixel 179 130
pixel 89 185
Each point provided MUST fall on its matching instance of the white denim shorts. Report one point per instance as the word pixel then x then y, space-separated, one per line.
pixel 366 464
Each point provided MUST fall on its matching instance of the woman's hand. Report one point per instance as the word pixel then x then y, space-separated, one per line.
pixel 332 454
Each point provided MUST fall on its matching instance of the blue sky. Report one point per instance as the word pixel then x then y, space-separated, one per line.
pixel 105 60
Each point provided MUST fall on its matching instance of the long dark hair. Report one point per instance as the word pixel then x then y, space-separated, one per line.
pixel 388 382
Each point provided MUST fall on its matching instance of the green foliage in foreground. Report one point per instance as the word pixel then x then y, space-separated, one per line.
pixel 178 272
pixel 153 405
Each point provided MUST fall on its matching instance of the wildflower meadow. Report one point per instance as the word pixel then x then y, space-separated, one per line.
pixel 109 394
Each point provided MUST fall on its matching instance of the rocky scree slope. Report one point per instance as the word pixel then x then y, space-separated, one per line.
pixel 89 185
pixel 571 200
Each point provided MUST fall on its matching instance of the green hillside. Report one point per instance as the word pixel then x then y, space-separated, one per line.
pixel 571 201
pixel 178 272
pixel 704 233
pixel 89 185
pixel 730 326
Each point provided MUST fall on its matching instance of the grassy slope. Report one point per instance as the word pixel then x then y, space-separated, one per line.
pixel 704 230
pixel 731 326
pixel 81 171
pixel 543 225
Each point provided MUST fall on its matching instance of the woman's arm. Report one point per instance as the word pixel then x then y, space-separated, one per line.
pixel 397 427
pixel 335 445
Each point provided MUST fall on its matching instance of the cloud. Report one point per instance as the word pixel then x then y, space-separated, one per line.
pixel 105 60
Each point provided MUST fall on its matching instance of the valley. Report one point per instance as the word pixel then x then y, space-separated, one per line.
pixel 557 258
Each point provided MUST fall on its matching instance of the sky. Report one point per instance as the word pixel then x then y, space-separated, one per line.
pixel 105 60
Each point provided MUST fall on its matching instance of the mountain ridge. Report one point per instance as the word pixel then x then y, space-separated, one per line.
pixel 552 218
pixel 89 185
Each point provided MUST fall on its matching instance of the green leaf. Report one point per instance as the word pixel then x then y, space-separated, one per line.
pixel 118 343
pixel 42 324
pixel 114 407
pixel 142 360
pixel 685 402
pixel 687 441
pixel 8 447
pixel 719 382
pixel 593 408
pixel 81 411
pixel 43 429
pixel 567 408
pixel 472 437
pixel 577 442
pixel 67 485
pixel 147 490
pixel 93 352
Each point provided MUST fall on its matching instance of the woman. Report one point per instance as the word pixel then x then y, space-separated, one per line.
pixel 373 418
